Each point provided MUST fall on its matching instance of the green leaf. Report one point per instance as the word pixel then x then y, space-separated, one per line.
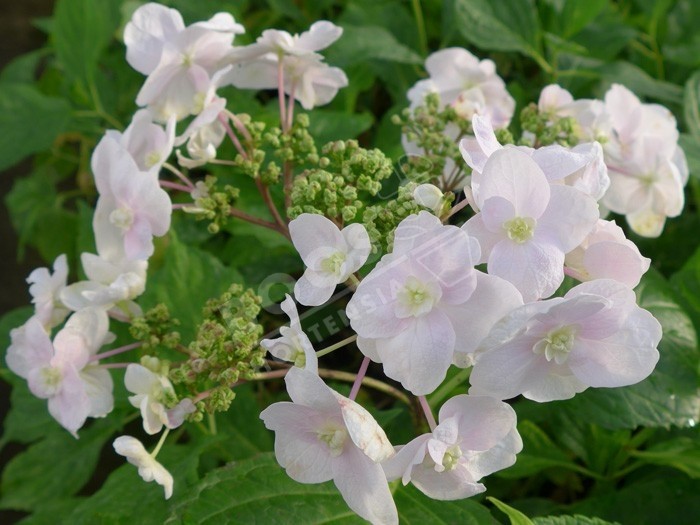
pixel 509 25
pixel 23 69
pixel 257 490
pixel 81 31
pixel 577 14
pixel 691 148
pixel 187 278
pixel 329 125
pixel 670 395
pixel 571 520
pixel 681 453
pixel 516 517
pixel 691 104
pixel 641 83
pixel 29 121
pixel 53 468
pixel 361 43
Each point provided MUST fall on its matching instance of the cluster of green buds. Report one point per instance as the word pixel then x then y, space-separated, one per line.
pixel 335 189
pixel 382 219
pixel 546 128
pixel 156 329
pixel 213 202
pixel 297 145
pixel 436 132
pixel 225 350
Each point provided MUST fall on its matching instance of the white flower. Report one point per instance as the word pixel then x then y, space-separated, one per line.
pixel 293 344
pixel 149 144
pixel 476 437
pixel 149 468
pixel 45 289
pixel 429 196
pixel 151 390
pixel 331 256
pixel 323 435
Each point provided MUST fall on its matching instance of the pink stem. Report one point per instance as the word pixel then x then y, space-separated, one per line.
pixel 180 206
pixel 358 380
pixel 240 127
pixel 179 175
pixel 116 365
pixel 568 271
pixel 280 93
pixel 174 186
pixel 119 317
pixel 232 136
pixel 290 107
pixel 428 413
pixel 116 351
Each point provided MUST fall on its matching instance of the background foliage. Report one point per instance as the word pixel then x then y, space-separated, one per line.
pixel 630 455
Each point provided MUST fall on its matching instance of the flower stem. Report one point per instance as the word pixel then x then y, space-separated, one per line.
pixel 232 135
pixel 179 174
pixel 254 220
pixel 428 412
pixel 280 93
pixel 420 25
pixel 335 346
pixel 116 351
pixel 358 380
pixel 160 443
pixel 456 208
pixel 265 193
pixel 239 126
pixel 115 365
pixel 290 107
pixel 174 186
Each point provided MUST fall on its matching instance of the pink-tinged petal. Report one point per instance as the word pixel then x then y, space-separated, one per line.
pixel 92 324
pixel 139 379
pixel 474 156
pixel 568 219
pixel 364 430
pixel 487 239
pixel 493 299
pixel 419 356
pixel 482 422
pixel 98 386
pixel 150 27
pixel 448 485
pixel 108 238
pixel 552 97
pixel 608 321
pixel 70 349
pixel 497 458
pixel 314 289
pixel 71 406
pixel 625 358
pixel 369 348
pixel 558 162
pixel 298 448
pixel 310 233
pixel 290 308
pixel 31 348
pixel 447 64
pixel 614 260
pixel 513 175
pixel 412 229
pixel 108 156
pixel 620 103
pixel 319 36
pixel 536 270
pixel 508 370
pixel 646 223
pixel 307 389
pixel 485 136
pixel 555 387
pixel 364 488
pixel 138 240
pixel 495 212
pixel 258 74
pixel 158 82
pixel 359 246
pixel 401 464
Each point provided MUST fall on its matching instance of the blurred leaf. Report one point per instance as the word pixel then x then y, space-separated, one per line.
pixel 29 122
pixel 670 395
pixel 81 31
pixel 577 14
pixel 361 43
pixel 514 515
pixel 691 104
pixel 606 38
pixel 509 25
pixel 681 453
pixel 691 148
pixel 571 520
pixel 327 126
pixel 23 69
pixel 641 83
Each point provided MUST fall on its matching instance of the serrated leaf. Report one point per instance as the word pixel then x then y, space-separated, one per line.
pixel 29 121
pixel 670 396
pixel 187 278
pixel 514 515
pixel 571 520
pixel 361 43
pixel 691 104
pixel 81 31
pixel 681 453
pixel 509 25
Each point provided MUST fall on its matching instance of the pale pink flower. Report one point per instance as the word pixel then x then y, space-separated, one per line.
pixel 293 345
pixel 45 289
pixel 476 437
pixel 149 468
pixel 525 225
pixel 607 254
pixel 148 143
pixel 322 435
pixel 594 336
pixel 331 255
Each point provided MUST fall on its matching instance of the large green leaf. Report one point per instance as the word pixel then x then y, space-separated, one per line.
pixel 29 121
pixel 81 31
pixel 670 396
pixel 508 25
pixel 691 104
pixel 641 83
pixel 257 490
pixel 682 453
pixel 361 43
pixel 570 520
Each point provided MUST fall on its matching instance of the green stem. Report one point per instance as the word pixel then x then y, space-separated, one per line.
pixel 444 391
pixel 420 25
pixel 335 346
pixel 160 443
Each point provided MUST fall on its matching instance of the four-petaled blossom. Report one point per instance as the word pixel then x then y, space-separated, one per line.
pixel 178 60
pixel 525 225
pixel 594 336
pixel 331 255
pixel 132 207
pixel 476 436
pixel 149 144
pixel 323 435
pixel 45 289
pixel 293 344
pixel 149 468
pixel 424 307
pixel 61 371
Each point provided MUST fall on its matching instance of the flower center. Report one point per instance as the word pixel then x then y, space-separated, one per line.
pixel 334 263
pixel 51 378
pixel 556 344
pixel 334 436
pixel 152 159
pixel 520 229
pixel 451 458
pixel 416 298
pixel 122 218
